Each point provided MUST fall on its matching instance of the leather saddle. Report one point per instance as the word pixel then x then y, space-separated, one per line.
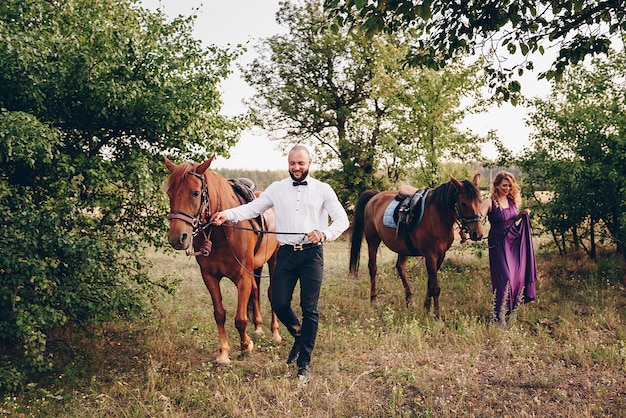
pixel 410 211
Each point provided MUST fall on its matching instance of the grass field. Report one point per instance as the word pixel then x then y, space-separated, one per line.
pixel 563 355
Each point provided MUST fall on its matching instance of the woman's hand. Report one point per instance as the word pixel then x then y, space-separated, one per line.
pixel 521 214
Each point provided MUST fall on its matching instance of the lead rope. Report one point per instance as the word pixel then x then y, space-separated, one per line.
pixel 506 231
pixel 207 245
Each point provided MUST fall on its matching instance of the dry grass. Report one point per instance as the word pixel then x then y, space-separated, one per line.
pixel 562 356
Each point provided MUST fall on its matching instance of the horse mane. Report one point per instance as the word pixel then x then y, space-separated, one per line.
pixel 444 195
pixel 220 186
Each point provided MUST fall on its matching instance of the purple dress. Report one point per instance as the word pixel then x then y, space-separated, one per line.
pixel 511 259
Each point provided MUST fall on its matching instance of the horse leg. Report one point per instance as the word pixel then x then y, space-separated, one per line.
pixel 254 305
pixel 372 250
pixel 244 289
pixel 213 285
pixel 432 267
pixel 274 325
pixel 401 267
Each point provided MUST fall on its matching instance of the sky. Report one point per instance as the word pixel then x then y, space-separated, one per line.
pixel 228 23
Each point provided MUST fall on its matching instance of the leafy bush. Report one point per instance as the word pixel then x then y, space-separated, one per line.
pixel 90 94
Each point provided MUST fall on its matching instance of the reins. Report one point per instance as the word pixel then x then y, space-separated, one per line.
pixel 231 225
pixel 506 231
pixel 258 231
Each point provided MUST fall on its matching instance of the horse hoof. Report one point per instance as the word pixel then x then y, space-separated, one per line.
pixel 247 348
pixel 223 360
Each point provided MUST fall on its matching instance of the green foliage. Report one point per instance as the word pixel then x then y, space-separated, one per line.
pixel 580 154
pixel 450 29
pixel 116 76
pixel 90 94
pixel 374 121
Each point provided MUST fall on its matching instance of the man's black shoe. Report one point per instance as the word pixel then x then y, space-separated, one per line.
pixel 304 371
pixel 294 353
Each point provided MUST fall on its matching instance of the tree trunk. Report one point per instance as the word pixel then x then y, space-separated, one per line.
pixel 592 237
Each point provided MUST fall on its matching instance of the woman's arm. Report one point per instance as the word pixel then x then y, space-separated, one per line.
pixel 485 207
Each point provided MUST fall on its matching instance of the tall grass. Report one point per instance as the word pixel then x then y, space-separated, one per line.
pixel 562 355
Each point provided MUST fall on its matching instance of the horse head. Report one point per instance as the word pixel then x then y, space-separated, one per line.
pixel 189 201
pixel 467 207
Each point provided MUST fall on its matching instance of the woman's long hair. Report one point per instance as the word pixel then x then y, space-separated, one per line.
pixel 515 189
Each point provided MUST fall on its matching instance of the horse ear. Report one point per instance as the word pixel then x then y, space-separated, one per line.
pixel 170 165
pixel 202 167
pixel 476 180
pixel 455 182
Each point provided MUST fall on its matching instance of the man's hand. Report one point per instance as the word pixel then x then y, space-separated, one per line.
pixel 316 236
pixel 218 218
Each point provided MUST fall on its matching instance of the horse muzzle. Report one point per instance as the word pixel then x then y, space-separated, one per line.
pixel 476 235
pixel 181 234
pixel 180 240
pixel 476 232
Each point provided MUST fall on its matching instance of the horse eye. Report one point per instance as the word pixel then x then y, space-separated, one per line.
pixel 195 193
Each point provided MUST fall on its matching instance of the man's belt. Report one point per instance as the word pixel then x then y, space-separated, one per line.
pixel 300 247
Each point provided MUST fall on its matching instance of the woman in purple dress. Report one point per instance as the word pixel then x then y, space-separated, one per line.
pixel 511 254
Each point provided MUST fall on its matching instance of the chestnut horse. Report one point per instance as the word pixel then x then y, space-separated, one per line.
pixel 234 251
pixel 449 203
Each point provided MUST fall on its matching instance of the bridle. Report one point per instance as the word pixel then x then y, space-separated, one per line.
pixel 463 221
pixel 198 222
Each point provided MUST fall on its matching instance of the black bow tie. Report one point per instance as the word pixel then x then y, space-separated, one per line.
pixel 300 183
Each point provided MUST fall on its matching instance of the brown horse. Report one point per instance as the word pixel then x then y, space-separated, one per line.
pixel 449 203
pixel 234 251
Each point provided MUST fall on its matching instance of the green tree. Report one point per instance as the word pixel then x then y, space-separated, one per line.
pixel 366 113
pixel 580 154
pixel 90 94
pixel 423 109
pixel 507 27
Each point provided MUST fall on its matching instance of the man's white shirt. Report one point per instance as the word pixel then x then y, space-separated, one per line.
pixel 297 209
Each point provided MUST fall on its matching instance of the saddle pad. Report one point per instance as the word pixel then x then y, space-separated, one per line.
pixel 388 215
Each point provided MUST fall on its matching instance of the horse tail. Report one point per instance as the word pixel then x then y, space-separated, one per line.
pixel 358 228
